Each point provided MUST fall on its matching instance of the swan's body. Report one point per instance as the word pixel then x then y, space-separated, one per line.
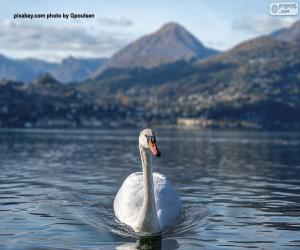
pixel 129 200
pixel 147 202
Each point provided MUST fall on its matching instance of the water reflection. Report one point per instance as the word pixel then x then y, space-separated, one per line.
pixel 151 243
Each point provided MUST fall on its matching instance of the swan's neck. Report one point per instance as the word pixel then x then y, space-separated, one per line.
pixel 148 221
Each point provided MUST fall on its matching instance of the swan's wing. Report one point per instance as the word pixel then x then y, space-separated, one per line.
pixel 129 199
pixel 168 204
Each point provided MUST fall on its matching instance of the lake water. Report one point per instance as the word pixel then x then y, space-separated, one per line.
pixel 240 189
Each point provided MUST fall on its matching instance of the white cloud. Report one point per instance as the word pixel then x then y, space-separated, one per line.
pixel 262 24
pixel 59 40
pixel 122 22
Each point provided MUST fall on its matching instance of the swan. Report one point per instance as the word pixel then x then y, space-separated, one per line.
pixel 146 201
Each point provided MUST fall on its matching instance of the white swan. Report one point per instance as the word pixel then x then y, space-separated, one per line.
pixel 147 202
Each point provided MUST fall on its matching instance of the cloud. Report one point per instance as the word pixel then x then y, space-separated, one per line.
pixel 122 22
pixel 59 40
pixel 215 43
pixel 261 24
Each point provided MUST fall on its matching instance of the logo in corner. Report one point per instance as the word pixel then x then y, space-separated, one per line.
pixel 284 9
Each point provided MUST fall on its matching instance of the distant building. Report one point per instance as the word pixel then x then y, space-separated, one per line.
pixel 203 122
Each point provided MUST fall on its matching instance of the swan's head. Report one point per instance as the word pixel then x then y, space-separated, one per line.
pixel 148 141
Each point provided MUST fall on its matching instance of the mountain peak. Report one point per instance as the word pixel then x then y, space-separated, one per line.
pixel 179 33
pixel 172 42
pixel 171 26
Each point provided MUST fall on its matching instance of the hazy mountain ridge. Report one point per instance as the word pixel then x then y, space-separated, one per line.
pixel 25 69
pixel 69 70
pixel 76 69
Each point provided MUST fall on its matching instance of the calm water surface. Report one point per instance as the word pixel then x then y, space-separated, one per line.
pixel 239 189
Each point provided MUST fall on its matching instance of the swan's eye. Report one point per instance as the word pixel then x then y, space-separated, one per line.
pixel 151 138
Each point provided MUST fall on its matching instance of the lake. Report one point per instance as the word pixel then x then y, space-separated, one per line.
pixel 240 189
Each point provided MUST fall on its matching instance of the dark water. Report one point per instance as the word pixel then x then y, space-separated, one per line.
pixel 239 189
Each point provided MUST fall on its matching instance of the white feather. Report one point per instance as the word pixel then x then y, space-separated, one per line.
pixel 129 200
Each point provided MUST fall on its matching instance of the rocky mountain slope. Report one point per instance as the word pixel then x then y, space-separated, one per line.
pixel 170 43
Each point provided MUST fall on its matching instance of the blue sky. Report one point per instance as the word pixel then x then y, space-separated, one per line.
pixel 218 24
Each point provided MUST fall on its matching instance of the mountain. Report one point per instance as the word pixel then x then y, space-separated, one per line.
pixel 69 70
pixel 291 34
pixel 38 67
pixel 243 85
pixel 24 70
pixel 170 43
pixel 255 84
pixel 76 69
pixel 252 61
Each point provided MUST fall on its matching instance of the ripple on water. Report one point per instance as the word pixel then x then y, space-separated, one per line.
pixel 100 217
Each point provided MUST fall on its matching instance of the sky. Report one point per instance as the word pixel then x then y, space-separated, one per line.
pixel 219 24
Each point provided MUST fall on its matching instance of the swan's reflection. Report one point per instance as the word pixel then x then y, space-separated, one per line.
pixel 151 243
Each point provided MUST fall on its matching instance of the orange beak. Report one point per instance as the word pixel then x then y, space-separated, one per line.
pixel 153 147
